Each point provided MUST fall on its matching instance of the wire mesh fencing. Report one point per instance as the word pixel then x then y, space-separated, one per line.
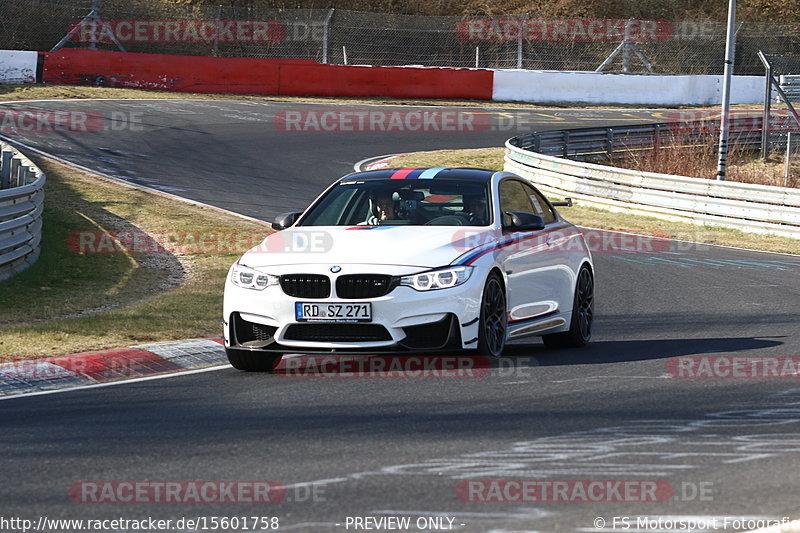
pixel 352 37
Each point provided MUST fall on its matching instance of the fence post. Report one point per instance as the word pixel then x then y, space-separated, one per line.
pixel 215 51
pixel 96 11
pixel 325 35
pixel 788 159
pixel 520 39
pixel 767 110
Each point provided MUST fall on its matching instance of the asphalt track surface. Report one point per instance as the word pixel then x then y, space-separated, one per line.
pixel 728 447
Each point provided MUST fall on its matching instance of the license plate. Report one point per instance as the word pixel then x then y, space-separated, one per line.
pixel 342 312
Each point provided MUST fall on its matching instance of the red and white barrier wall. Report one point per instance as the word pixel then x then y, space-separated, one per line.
pixel 554 87
pixel 18 66
pixel 287 77
pixel 301 77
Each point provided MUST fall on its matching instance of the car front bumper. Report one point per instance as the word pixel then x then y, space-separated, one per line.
pixel 403 319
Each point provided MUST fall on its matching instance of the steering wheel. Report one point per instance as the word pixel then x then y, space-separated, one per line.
pixel 446 220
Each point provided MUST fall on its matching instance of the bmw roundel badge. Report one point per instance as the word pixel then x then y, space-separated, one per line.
pixel 336 269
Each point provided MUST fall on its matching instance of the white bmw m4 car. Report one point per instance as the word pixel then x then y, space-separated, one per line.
pixel 415 260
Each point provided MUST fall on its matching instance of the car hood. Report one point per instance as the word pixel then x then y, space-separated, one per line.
pixel 422 246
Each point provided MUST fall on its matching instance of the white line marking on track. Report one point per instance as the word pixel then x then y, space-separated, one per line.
pixel 320 482
pixel 112 383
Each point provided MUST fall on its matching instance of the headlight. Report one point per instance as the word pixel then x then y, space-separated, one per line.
pixel 443 278
pixel 248 278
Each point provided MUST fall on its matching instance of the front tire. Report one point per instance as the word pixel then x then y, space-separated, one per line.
pixel 493 321
pixel 253 361
pixel 580 327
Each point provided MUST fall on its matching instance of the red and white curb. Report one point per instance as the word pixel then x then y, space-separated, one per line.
pixel 89 368
pixel 375 163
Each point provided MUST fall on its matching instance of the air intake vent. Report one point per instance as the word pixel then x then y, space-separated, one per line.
pixel 337 333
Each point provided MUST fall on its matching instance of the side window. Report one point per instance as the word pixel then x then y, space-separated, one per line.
pixel 540 205
pixel 513 197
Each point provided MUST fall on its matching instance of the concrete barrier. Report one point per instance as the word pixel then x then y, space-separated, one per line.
pixel 18 66
pixel 549 87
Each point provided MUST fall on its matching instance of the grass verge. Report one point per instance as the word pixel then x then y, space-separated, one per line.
pixel 92 289
pixel 587 216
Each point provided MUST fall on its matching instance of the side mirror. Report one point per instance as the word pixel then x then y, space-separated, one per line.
pixel 285 220
pixel 566 203
pixel 521 221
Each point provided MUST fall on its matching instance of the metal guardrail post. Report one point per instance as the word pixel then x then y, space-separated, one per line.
pixel 609 143
pixel 15 164
pixel 657 137
pixel 5 170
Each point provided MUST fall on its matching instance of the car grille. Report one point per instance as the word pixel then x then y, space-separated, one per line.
pixel 337 332
pixel 357 286
pixel 306 285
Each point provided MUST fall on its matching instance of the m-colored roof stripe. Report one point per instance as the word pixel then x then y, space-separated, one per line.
pixel 402 173
pixel 431 173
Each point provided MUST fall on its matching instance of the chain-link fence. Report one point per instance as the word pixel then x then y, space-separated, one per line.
pixel 351 37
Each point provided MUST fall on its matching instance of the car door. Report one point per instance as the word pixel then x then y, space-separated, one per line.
pixel 534 275
pixel 562 246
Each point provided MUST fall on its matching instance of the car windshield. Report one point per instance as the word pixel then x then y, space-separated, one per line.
pixel 408 202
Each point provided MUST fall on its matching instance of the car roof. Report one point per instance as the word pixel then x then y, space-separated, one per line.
pixel 438 173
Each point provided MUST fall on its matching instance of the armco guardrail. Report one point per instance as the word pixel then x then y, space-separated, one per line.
pixel 21 204
pixel 589 143
pixel 791 87
pixel 748 207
